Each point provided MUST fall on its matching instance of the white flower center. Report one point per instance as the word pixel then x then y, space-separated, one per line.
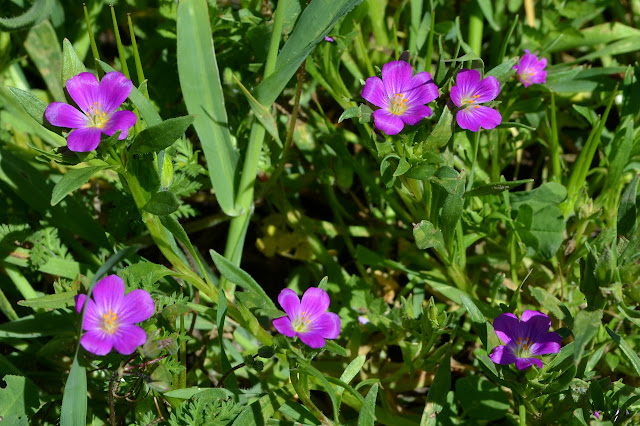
pixel 523 347
pixel 301 324
pixel 399 105
pixel 97 116
pixel 109 323
pixel 471 100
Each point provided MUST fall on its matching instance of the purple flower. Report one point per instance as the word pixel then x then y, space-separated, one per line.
pixel 531 70
pixel 400 97
pixel 308 320
pixel 98 103
pixel 597 414
pixel 329 39
pixel 524 339
pixel 468 93
pixel 110 317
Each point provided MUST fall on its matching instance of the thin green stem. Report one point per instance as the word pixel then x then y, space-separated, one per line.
pixel 123 59
pixel 556 167
pixel 427 61
pixel 472 173
pixel 522 414
pixel 239 224
pixel 92 40
pixel 136 54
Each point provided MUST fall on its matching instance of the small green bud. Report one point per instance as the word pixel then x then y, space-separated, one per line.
pixel 258 365
pixel 249 360
pixel 265 352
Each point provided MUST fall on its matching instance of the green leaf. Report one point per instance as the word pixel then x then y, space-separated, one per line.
pixel 71 64
pixel 495 188
pixel 162 203
pixel 316 21
pixel 627 350
pixel 50 301
pixel 74 399
pixel 549 301
pixel 239 277
pixel 422 171
pixel 504 71
pixel 352 370
pixel 73 180
pixel 44 50
pixel 18 400
pixel 487 11
pixel 441 133
pixel 188 393
pixel 477 317
pixel 31 104
pixel 332 346
pixel 39 10
pixel 481 399
pixel 263 114
pixel 585 327
pixel 258 412
pixel 161 136
pixel 628 211
pixel 365 418
pixel 437 396
pixel 427 236
pixel 349 113
pixel 620 156
pixel 203 96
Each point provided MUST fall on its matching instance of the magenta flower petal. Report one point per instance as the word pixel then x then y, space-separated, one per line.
pixel 137 306
pixel 416 113
pixel 84 139
pixel 396 76
pixel 97 342
pixel 389 123
pixel 374 92
pixel 476 116
pixel 83 89
pixel 80 299
pixel 92 317
pixel 422 90
pixel 487 90
pixel 525 339
pixel 328 325
pixel 524 363
pixel 312 339
pixel 466 83
pixel 128 337
pixel 109 293
pixel 283 325
pixel 290 302
pixel 531 70
pixel 308 319
pixel 315 302
pixel 507 327
pixel 120 120
pixel 64 115
pixel 114 90
pixel 502 355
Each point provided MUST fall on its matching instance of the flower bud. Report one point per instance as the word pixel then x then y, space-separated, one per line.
pixel 167 172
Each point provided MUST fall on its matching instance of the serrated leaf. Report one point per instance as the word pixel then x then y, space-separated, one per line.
pixel 73 180
pixel 161 136
pixel 162 203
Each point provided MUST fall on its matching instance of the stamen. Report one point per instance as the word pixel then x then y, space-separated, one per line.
pixel 399 104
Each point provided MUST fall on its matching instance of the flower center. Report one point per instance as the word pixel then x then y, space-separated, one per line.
pixel 110 325
pixel 97 116
pixel 399 104
pixel 470 101
pixel 523 347
pixel 301 324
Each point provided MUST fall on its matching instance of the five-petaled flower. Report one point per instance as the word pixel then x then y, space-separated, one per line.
pixel 523 340
pixel 531 70
pixel 98 103
pixel 400 97
pixel 110 317
pixel 468 93
pixel 308 319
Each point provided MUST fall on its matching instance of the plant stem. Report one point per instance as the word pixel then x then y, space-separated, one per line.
pixel 556 167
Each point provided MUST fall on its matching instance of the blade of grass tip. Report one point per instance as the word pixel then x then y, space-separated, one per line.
pixel 94 47
pixel 123 59
pixel 136 54
pixel 503 48
pixel 427 62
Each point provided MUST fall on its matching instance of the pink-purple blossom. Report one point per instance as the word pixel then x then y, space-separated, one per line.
pixel 110 317
pixel 401 98
pixel 308 319
pixel 98 103
pixel 524 339
pixel 469 92
pixel 531 70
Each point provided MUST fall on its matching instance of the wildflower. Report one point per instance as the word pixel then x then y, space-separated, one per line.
pixel 98 103
pixel 329 39
pixel 525 339
pixel 597 414
pixel 362 319
pixel 400 97
pixel 468 93
pixel 110 317
pixel 531 70
pixel 308 319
